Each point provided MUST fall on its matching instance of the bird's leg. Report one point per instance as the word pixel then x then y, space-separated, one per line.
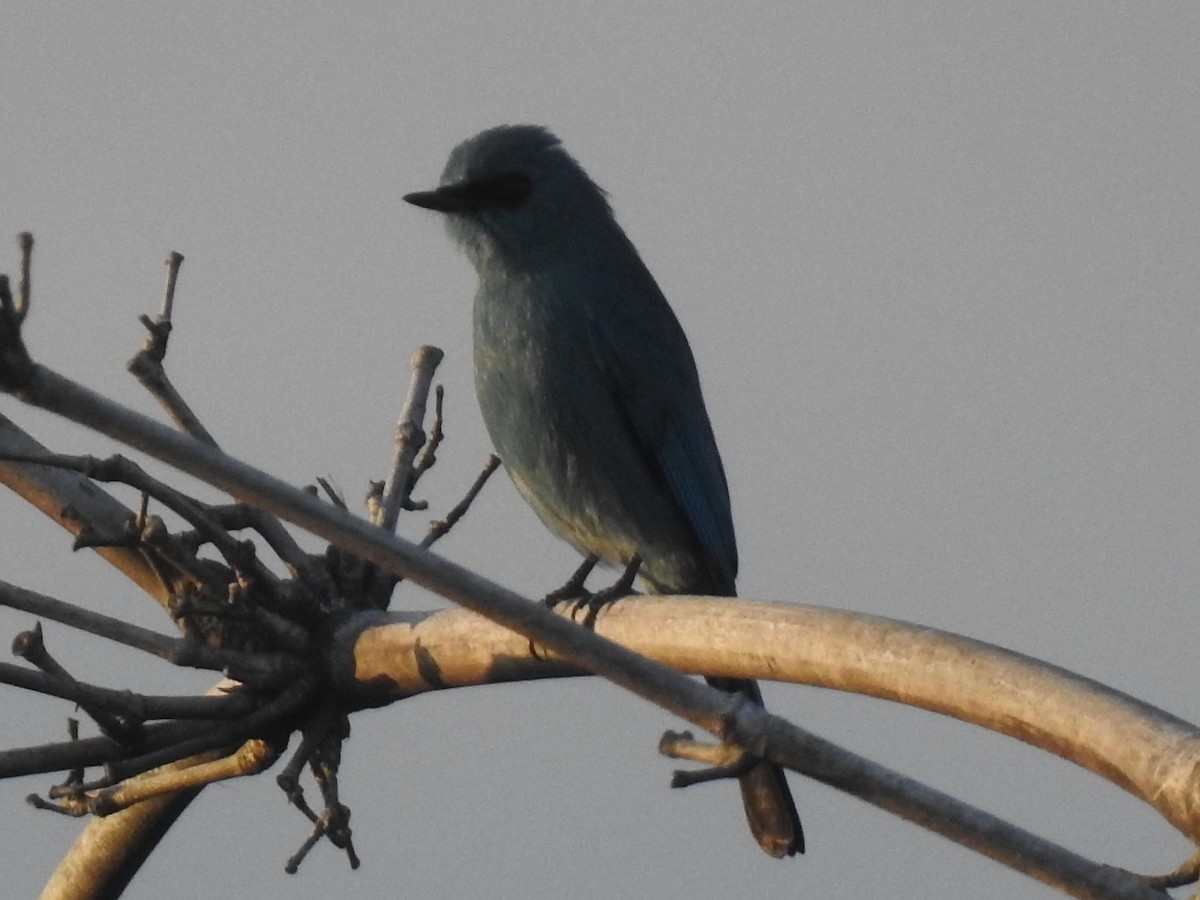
pixel 574 588
pixel 622 587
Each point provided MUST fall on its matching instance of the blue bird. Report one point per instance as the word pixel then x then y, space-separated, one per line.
pixel 590 393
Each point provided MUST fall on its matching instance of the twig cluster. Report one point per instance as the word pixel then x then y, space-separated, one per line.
pixel 267 632
pixel 278 634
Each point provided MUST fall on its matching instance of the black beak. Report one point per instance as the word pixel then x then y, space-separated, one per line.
pixel 503 191
pixel 441 200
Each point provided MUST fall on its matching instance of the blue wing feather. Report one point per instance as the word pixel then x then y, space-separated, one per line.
pixel 649 367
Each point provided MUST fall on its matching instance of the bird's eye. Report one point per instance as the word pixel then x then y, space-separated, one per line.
pixel 506 190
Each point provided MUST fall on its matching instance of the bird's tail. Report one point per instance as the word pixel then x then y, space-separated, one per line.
pixel 770 809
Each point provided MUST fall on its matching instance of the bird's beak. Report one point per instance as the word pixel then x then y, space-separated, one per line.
pixel 444 199
pixel 503 191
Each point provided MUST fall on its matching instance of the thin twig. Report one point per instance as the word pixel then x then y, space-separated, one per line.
pixel 261 667
pixel 16 367
pixel 683 745
pixel 410 436
pixel 147 364
pixel 1187 873
pixel 30 645
pixel 427 458
pixel 76 504
pixel 137 707
pixel 746 724
pixel 240 555
pixel 95 623
pixel 334 822
pixel 312 734
pixel 724 761
pixel 75 776
pixel 332 492
pixel 93 751
pixel 25 285
pixel 269 717
pixel 238 516
pixel 250 758
pixel 148 367
pixel 439 529
pixel 174 261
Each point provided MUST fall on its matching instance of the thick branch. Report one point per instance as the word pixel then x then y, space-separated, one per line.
pixel 408 653
pixel 76 503
pixel 707 708
pixel 1137 747
pixel 110 850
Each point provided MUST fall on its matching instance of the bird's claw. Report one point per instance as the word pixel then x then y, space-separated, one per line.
pixel 574 588
pixel 622 587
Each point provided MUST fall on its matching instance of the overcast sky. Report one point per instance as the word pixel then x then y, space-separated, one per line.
pixel 938 264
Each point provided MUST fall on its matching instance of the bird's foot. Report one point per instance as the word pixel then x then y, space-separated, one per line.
pixel 622 587
pixel 574 588
pixel 573 591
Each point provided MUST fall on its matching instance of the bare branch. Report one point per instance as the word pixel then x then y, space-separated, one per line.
pixel 137 707
pixel 147 364
pixel 239 555
pixel 148 367
pixel 267 717
pixel 1139 748
pixel 278 539
pixel 16 366
pixel 439 529
pixel 25 286
pixel 109 851
pixel 76 503
pixel 744 724
pixel 31 646
pixel 395 493
pixel 428 456
pixel 276 668
pixel 85 620
pixel 708 708
pixel 410 437
pixel 1188 873
pixel 251 758
pixel 94 751
pixel 683 745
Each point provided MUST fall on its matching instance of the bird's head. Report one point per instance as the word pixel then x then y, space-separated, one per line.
pixel 514 191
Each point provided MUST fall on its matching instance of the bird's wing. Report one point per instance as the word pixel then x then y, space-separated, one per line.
pixel 648 367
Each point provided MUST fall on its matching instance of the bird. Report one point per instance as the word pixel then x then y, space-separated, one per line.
pixel 590 393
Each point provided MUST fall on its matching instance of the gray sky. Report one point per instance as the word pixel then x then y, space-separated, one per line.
pixel 938 263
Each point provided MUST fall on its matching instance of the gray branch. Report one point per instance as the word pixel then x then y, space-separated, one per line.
pixel 715 712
